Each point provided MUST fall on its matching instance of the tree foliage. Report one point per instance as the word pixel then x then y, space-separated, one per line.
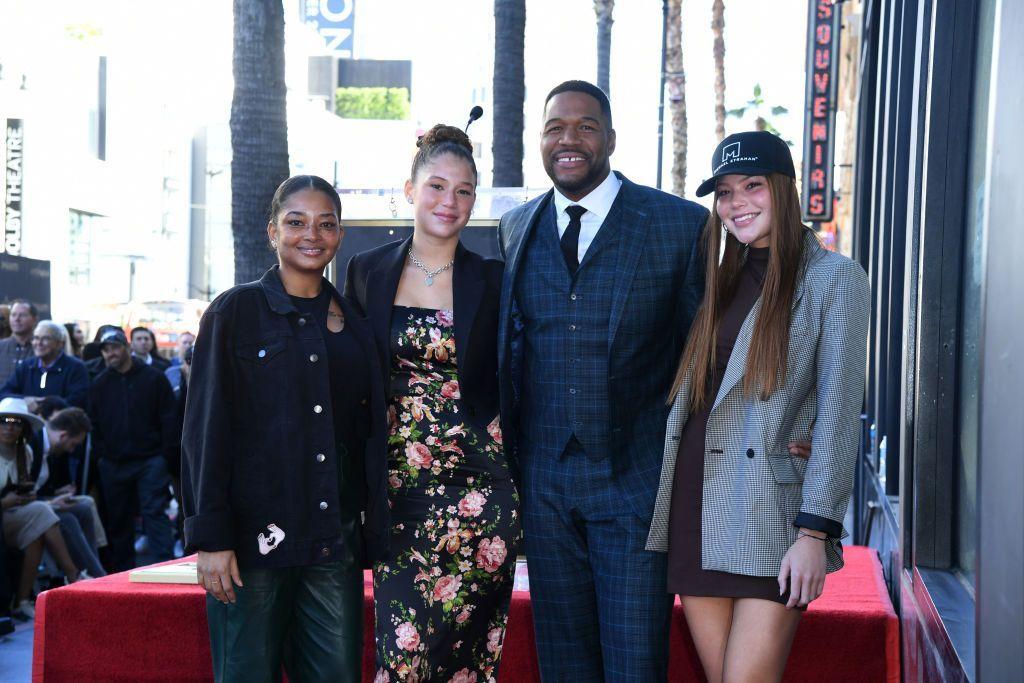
pixel 372 103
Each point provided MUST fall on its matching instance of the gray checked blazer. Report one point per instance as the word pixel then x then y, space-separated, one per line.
pixel 753 488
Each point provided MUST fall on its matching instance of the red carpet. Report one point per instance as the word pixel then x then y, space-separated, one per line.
pixel 111 630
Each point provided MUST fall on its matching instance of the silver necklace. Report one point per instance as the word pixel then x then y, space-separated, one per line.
pixel 431 274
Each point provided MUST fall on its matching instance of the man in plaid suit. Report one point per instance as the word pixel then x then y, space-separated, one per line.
pixel 602 280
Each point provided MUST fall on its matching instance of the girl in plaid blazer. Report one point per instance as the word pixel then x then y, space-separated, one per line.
pixel 751 523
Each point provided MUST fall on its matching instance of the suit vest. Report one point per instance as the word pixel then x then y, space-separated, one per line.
pixel 565 318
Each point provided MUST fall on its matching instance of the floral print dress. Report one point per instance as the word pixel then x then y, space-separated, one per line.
pixel 443 592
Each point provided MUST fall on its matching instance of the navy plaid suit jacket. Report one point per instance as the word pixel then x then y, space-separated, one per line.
pixel 657 287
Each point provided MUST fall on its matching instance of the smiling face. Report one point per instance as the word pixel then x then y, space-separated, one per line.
pixel 45 345
pixel 443 193
pixel 307 232
pixel 576 143
pixel 744 204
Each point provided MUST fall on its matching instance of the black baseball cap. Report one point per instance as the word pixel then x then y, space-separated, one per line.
pixel 113 337
pixel 754 152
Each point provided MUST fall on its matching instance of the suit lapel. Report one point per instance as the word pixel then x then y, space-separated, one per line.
pixel 467 291
pixel 519 236
pixel 380 298
pixel 633 224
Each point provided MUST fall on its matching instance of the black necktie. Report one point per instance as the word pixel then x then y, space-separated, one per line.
pixel 571 237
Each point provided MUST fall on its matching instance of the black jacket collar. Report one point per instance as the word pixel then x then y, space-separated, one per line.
pixel 468 285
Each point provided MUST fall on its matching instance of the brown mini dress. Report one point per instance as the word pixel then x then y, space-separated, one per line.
pixel 685 574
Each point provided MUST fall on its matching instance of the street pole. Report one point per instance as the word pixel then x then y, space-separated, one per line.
pixel 661 92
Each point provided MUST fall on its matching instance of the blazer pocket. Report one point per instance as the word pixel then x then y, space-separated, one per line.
pixel 784 469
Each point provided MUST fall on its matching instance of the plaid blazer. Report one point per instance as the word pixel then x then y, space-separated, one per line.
pixel 657 285
pixel 753 488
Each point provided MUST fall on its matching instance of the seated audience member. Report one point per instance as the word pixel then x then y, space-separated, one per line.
pixel 51 373
pixel 29 524
pixel 134 433
pixel 64 431
pixel 185 342
pixel 16 348
pixel 91 355
pixel 75 340
pixel 144 348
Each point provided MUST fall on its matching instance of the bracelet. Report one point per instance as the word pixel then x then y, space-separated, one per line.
pixel 802 534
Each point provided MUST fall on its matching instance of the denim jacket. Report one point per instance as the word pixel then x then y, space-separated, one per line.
pixel 259 467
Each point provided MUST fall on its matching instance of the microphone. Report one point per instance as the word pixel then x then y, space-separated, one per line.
pixel 474 113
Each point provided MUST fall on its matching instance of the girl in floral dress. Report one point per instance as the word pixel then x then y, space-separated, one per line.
pixel 443 590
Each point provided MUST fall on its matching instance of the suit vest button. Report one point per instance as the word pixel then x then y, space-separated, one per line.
pixel 750 452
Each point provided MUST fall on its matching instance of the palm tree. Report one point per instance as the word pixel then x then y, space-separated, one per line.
pixel 676 79
pixel 259 130
pixel 717 28
pixel 509 90
pixel 603 9
pixel 756 106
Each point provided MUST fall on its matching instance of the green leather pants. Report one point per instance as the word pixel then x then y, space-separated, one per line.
pixel 310 619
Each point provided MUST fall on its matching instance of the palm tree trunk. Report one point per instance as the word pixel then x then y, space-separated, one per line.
pixel 259 130
pixel 676 79
pixel 603 9
pixel 509 90
pixel 717 28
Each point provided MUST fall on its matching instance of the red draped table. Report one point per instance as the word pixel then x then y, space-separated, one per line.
pixel 112 630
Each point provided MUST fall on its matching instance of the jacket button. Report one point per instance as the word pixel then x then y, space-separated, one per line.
pixel 573 296
pixel 325 551
pixel 262 353
pixel 318 409
pixel 320 457
pixel 323 504
pixel 302 321
pixel 750 452
pixel 313 358
pixel 572 328
pixel 362 402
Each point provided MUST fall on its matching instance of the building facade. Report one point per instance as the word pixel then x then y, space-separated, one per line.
pixel 934 210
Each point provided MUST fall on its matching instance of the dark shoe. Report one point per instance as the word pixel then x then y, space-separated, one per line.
pixel 6 626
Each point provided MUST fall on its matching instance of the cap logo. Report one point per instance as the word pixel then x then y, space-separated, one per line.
pixel 731 152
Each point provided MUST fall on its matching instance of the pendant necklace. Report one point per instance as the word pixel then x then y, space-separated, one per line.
pixel 430 274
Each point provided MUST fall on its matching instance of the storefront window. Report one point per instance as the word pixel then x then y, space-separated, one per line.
pixel 966 532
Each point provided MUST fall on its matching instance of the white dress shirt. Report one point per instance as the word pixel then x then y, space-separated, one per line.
pixel 598 203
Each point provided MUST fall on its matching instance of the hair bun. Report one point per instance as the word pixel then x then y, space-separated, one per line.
pixel 443 133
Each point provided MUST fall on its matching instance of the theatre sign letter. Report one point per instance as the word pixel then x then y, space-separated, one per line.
pixel 13 179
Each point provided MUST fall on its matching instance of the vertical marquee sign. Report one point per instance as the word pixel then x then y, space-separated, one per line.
pixel 12 182
pixel 823 28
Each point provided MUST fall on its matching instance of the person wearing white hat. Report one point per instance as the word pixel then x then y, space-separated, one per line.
pixel 29 524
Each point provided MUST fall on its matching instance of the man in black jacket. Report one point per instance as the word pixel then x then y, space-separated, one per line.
pixel 133 411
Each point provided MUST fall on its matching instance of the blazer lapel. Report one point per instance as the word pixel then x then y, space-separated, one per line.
pixel 738 360
pixel 633 223
pixel 380 299
pixel 467 290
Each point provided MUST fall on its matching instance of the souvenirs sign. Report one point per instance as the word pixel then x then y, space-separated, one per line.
pixel 823 26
